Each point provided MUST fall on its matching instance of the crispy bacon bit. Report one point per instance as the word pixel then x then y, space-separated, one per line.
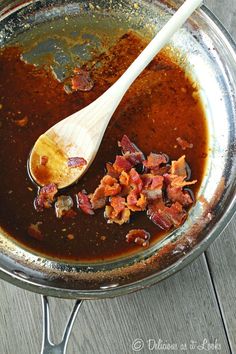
pixel 179 167
pixel 118 205
pixel 22 122
pixel 139 236
pixel 167 217
pixel 84 203
pixel 157 215
pixel 184 144
pixel 43 160
pixel 153 185
pixel 108 187
pixel 98 199
pixel 177 181
pixel 123 217
pixel 122 164
pixel 177 194
pixel 127 145
pixel 74 162
pixel 136 201
pixel 174 189
pixel 177 214
pixel 111 186
pixel 154 162
pixel 63 205
pixel 124 178
pixel 82 80
pixel 134 158
pixel 131 152
pixel 132 199
pixel 135 180
pixel 33 231
pixel 45 197
pixel 111 171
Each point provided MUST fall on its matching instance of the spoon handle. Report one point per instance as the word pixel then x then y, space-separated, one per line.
pixel 157 43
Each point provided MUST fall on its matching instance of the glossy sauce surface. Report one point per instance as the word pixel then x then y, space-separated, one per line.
pixel 159 107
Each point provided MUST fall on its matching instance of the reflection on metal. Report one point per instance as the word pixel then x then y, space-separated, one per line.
pixel 47 346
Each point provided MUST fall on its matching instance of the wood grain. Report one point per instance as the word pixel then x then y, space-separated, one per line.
pixel 221 256
pixel 179 310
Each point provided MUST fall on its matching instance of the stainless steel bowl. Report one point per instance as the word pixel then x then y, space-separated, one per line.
pixel 209 56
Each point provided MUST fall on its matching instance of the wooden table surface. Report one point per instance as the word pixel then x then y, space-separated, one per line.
pixel 194 311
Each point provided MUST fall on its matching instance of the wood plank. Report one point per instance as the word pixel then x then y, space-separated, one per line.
pixel 226 12
pixel 221 258
pixel 221 255
pixel 177 311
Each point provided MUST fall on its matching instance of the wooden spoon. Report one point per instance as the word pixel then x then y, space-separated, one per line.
pixel 81 133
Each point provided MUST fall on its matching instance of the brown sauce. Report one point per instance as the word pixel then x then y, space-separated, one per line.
pixel 159 107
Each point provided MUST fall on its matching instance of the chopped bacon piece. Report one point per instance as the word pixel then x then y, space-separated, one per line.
pixel 153 185
pixel 177 214
pixel 108 187
pixel 111 186
pixel 184 144
pixel 157 182
pixel 111 171
pixel 74 162
pixel 63 204
pixel 139 236
pixel 134 158
pixel 98 199
pixel 43 160
pixel 177 181
pixel 160 219
pixel 154 162
pixel 179 167
pixel 136 201
pixel 131 180
pixel 123 217
pixel 156 213
pixel 122 164
pixel 162 170
pixel 45 197
pixel 124 178
pixel 135 180
pixel 84 203
pixel 124 181
pixel 127 145
pixel 82 80
pixel 132 199
pixel 118 205
pixel 131 152
pixel 177 194
pixel 33 231
pixel 142 202
pixel 167 217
